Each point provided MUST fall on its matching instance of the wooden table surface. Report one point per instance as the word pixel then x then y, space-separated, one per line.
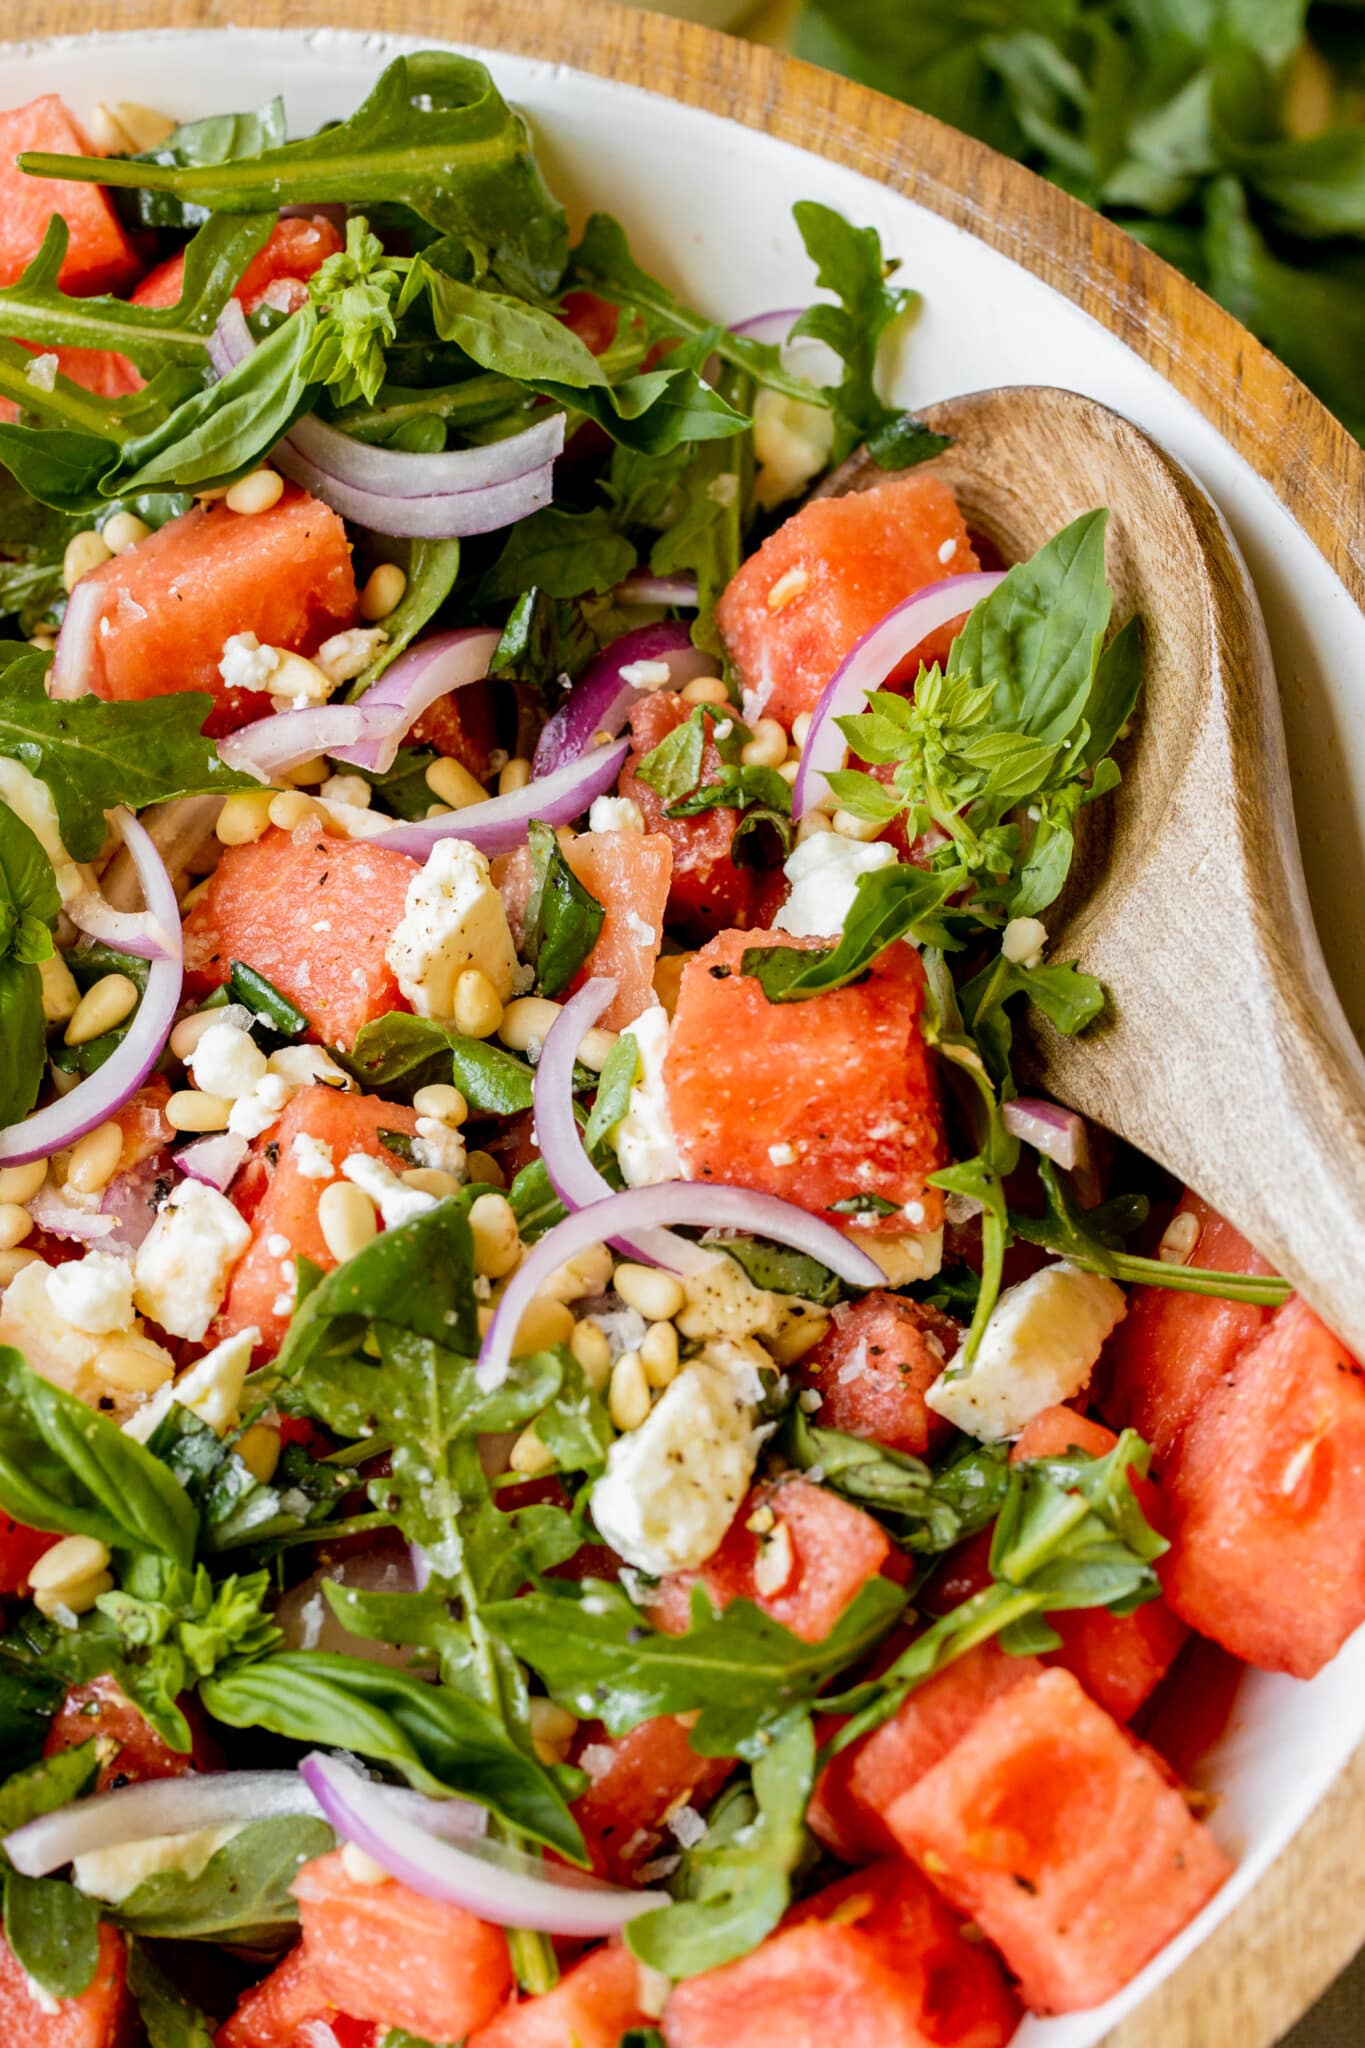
pixel 1280 1950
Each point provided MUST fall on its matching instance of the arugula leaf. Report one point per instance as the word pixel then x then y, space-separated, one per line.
pixel 415 1280
pixel 401 1053
pixel 562 553
pixel 738 1881
pixel 705 514
pixel 52 1932
pixel 65 1467
pixel 235 1507
pixel 925 1515
pixel 29 905
pixel 434 135
pixel 563 918
pixel 169 2018
pixel 44 1786
pixel 743 1671
pixel 440 1740
pixel 94 756
pixel 242 1893
pixel 848 261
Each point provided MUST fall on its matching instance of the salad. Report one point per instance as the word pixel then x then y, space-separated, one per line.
pixel 579 1466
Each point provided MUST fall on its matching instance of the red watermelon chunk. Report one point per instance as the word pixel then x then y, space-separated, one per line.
pixel 155 619
pixel 313 914
pixel 286 1206
pixel 592 2006
pixel 275 276
pixel 816 1101
pixel 387 1953
pixel 97 2019
pixel 874 1365
pixel 1172 1349
pixel 1267 1493
pixel 710 890
pixel 827 575
pixel 639 1780
pixel 628 873
pixel 796 1550
pixel 99 257
pixel 271 2013
pixel 1062 1840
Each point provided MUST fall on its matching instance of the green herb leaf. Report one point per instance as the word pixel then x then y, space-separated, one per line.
pixel 398 1053
pixel 620 1071
pixel 431 567
pixel 780 1270
pixel 925 1515
pixel 563 919
pixel 217 139
pixel 848 262
pixel 29 904
pixel 242 1893
pixel 171 2021
pixel 891 903
pixel 52 1932
pixel 562 553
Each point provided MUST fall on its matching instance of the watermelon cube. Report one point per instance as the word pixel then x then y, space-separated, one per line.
pixel 827 575
pixel 387 1953
pixel 283 1203
pixel 639 1779
pixel 155 619
pixel 592 2006
pixel 1267 1493
pixel 874 1365
pixel 818 1101
pixel 797 1551
pixel 628 873
pixel 1062 1840
pixel 710 891
pixel 275 276
pixel 314 914
pixel 272 2013
pixel 97 2019
pixel 1172 1349
pixel 99 257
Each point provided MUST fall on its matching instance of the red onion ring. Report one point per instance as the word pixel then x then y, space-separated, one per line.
pixel 433 669
pixel 1059 1134
pixel 73 663
pixel 214 1160
pixel 126 931
pixel 501 1885
pixel 772 328
pixel 60 1218
pixel 94 1100
pixel 573 1176
pixel 866 667
pixel 160 1806
pixel 368 466
pixel 642 588
pixel 709 1204
pixel 500 824
pixel 128 1202
pixel 600 699
pixel 273 745
pixel 454 515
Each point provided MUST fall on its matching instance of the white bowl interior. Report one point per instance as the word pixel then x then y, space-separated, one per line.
pixel 707 204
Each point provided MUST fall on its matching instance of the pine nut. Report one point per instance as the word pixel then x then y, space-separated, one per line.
pixel 813 822
pixel 346 789
pixel 186 1035
pixel 788 586
pixel 705 690
pixel 668 974
pixel 13 1263
pixel 552 1730
pixel 194 895
pixel 77 1598
pixel 452 782
pixel 514 776
pixel 346 1218
pixel 68 1562
pixel 360 1866
pixel 444 1102
pixel 192 1110
pixel 658 1296
pixel 383 593
pixel 483 1167
pixel 485 1316
pixel 527 1023
pixel 497 1241
pixel 103 1007
pixel 308 774
pixel 590 1347
pixel 628 1401
pixel 789 770
pixel 291 810
pixel 259 1450
pixel 124 531
pixel 94 1162
pixel 1179 1239
pixel 21 1183
pixel 61 997
pixel 530 1456
pixel 588 1272
pixel 84 551
pixel 107 132
pixel 16 1223
pixel 43 640
pixel 659 1354
pixel 801 728
pixel 133 1368
pixel 244 817
pixel 767 747
pixel 431 1180
pixel 475 1006
pixel 595 1049
pixel 145 127
pixel 296 682
pixel 849 827
pixel 255 493
pixel 544 1324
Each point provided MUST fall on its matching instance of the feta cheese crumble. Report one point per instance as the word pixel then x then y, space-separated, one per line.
pixel 94 1294
pixel 245 664
pixel 181 1268
pixel 211 1388
pixel 616 813
pixel 824 871
pixel 227 1061
pixel 396 1202
pixel 61 1351
pixel 672 1486
pixel 313 1157
pixel 439 1145
pixel 644 1137
pixel 1038 1348
pixel 453 918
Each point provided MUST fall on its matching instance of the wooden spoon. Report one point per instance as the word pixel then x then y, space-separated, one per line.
pixel 1223 1052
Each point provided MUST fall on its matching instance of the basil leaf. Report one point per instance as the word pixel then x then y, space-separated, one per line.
pixel 52 1932
pixel 779 1270
pixel 431 567
pixel 44 1786
pixel 169 2018
pixel 242 1893
pixel 562 553
pixel 891 903
pixel 901 1490
pixel 399 1053
pixel 563 919
pixel 217 139
pixel 620 1071
pixel 417 1278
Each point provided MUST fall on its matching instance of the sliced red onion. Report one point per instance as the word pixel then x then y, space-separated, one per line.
pixel 161 1806
pixel 52 1212
pixel 866 667
pixel 499 1884
pixel 127 1202
pixel 772 328
pixel 418 679
pixel 642 588
pixel 453 515
pixel 73 664
pixel 707 1204
pixel 1059 1134
pixel 215 1160
pixel 94 1100
pixel 126 931
pixel 272 746
pixel 500 824
pixel 600 699
pixel 368 466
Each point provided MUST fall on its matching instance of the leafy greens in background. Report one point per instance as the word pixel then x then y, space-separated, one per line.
pixel 1227 134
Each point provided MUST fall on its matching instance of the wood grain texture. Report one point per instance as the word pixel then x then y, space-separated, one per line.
pixel 1265 1965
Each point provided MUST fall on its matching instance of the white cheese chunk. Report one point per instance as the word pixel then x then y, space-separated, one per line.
pixel 616 813
pixel 261 1106
pixel 792 441
pixel 181 1268
pixel 644 1137
pixel 95 1294
pixel 672 1486
pixel 111 1874
pixel 824 871
pixel 453 918
pixel 211 1388
pixel 313 1157
pixel 227 1061
pixel 396 1202
pixel 1038 1348
pixel 245 664
pixel 437 1144
pixel 60 1350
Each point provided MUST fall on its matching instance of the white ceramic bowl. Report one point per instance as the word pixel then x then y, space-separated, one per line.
pixel 707 204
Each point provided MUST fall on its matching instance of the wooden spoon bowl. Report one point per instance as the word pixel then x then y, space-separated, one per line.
pixel 1223 1052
